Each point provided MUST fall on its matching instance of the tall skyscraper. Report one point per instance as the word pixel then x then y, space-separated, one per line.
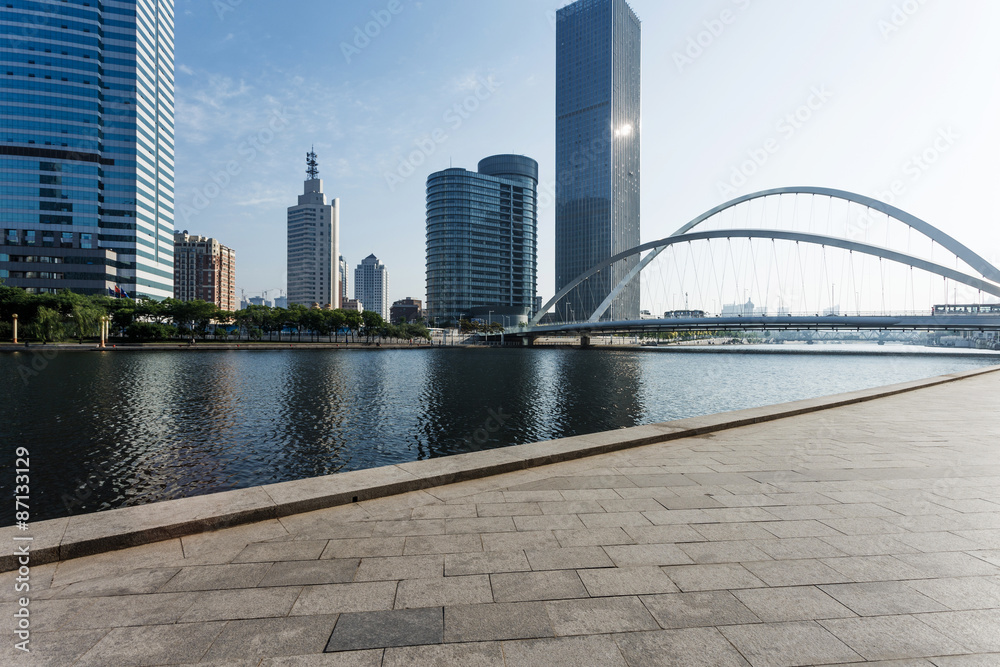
pixel 87 146
pixel 371 285
pixel 482 244
pixel 343 281
pixel 205 270
pixel 313 244
pixel 598 128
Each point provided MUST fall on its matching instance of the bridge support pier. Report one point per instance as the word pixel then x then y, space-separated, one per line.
pixel 584 341
pixel 527 341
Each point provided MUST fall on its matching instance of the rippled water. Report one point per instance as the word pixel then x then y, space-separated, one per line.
pixel 110 430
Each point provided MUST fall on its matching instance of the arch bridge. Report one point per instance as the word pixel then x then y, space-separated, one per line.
pixel 965 270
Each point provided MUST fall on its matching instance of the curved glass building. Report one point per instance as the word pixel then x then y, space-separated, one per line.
pixel 87 145
pixel 482 241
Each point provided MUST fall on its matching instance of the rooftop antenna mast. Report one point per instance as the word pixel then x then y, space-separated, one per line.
pixel 312 166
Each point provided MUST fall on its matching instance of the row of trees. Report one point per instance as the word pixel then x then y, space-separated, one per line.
pixel 67 315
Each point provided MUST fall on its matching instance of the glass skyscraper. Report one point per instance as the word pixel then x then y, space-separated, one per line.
pixel 87 145
pixel 598 128
pixel 482 241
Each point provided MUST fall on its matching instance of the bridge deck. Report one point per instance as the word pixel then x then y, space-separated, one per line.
pixel 860 533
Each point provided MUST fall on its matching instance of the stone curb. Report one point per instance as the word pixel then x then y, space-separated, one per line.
pixel 99 532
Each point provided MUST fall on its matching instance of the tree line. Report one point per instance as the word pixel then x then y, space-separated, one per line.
pixel 68 315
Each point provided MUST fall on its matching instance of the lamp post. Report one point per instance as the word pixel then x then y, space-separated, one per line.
pixel 15 328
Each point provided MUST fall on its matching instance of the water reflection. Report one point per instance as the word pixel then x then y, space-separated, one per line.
pixel 110 430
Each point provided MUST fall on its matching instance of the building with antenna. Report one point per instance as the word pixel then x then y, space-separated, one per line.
pixel 314 244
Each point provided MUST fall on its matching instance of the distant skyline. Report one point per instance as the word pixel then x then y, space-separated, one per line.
pixel 847 95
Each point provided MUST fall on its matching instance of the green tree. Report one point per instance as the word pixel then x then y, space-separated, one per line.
pixel 372 323
pixel 48 325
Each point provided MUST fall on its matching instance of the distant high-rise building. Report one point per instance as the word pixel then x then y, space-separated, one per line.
pixel 482 240
pixel 87 146
pixel 281 302
pixel 406 310
pixel 205 270
pixel 343 281
pixel 598 128
pixel 313 244
pixel 371 285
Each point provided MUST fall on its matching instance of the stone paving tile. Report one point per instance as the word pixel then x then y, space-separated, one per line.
pixel 564 652
pixel 647 554
pixel 307 572
pixel 950 564
pixel 51 649
pixel 679 648
pixel 882 598
pixel 722 532
pixel 874 568
pixel 979 660
pixel 793 548
pixel 571 558
pixel 441 544
pixel 269 637
pixel 614 519
pixel 444 511
pixel 592 537
pixel 797 603
pixel 490 524
pixel 692 610
pixel 599 615
pixel 479 654
pixel 712 577
pixel 267 552
pixel 804 572
pixel 801 528
pixel 496 621
pixel 868 545
pixel 549 522
pixel 148 556
pixel 381 629
pixel 892 637
pixel 663 534
pixel 531 539
pixel 409 527
pixel 978 631
pixel 340 598
pixel 486 562
pixel 131 583
pixel 588 506
pixel 394 568
pixel 153 645
pixel 739 515
pixel 723 552
pixel 240 604
pixel 961 593
pixel 532 586
pixel 626 581
pixel 216 577
pixel 359 548
pixel 449 591
pixel 786 644
pixel 125 610
pixel 508 509
pixel 667 517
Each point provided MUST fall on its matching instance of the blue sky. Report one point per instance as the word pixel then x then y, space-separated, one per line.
pixel 875 83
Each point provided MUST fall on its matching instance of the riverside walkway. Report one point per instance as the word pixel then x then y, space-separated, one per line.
pixel 861 533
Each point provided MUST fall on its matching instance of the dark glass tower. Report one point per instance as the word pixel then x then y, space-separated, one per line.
pixel 482 242
pixel 87 145
pixel 598 128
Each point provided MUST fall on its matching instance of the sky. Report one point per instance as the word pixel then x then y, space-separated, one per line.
pixel 895 99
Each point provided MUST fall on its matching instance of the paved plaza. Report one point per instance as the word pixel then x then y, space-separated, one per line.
pixel 858 534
